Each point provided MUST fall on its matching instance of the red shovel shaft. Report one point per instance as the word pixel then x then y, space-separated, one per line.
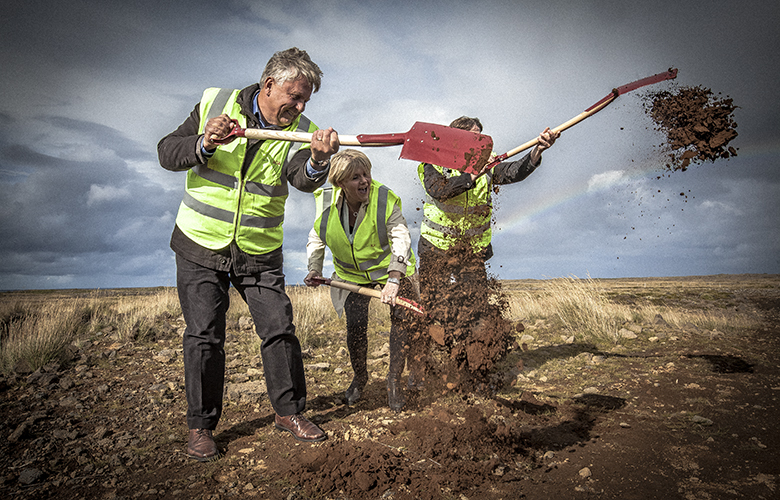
pixel 660 77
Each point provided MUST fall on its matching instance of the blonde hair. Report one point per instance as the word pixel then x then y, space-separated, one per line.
pixel 344 163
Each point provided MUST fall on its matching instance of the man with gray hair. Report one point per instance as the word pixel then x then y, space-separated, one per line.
pixel 229 231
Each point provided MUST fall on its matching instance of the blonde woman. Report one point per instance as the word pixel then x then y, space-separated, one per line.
pixel 361 222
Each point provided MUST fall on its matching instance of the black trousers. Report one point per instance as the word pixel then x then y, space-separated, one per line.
pixel 356 311
pixel 203 294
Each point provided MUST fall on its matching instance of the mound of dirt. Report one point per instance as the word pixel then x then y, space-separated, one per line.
pixel 698 126
pixel 451 453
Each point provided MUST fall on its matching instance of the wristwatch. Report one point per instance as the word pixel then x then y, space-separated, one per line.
pixel 320 164
pixel 394 281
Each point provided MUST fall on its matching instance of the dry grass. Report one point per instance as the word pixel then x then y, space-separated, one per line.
pixel 37 328
pixel 36 337
pixel 136 317
pixel 583 308
pixel 314 317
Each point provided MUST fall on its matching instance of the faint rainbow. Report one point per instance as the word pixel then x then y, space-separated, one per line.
pixel 510 215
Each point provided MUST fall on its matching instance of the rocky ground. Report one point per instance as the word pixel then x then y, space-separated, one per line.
pixel 672 413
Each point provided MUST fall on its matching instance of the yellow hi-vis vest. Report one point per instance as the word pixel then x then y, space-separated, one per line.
pixel 220 203
pixel 367 257
pixel 465 217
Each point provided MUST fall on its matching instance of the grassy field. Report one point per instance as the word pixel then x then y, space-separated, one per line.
pixel 36 327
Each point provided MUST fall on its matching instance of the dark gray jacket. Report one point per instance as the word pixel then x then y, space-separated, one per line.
pixel 442 188
pixel 180 151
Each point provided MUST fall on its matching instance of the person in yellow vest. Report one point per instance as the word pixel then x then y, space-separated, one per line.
pixel 361 221
pixel 228 231
pixel 459 205
pixel 457 217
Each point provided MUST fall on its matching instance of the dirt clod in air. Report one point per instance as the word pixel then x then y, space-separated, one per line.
pixel 698 126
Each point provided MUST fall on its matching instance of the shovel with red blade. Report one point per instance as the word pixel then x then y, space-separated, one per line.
pixel 426 142
pixel 660 77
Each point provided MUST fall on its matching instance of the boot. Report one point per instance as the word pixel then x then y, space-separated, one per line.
pixel 357 344
pixel 395 395
pixel 416 363
pixel 354 391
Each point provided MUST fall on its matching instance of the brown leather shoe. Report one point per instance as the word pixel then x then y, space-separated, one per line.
pixel 201 445
pixel 300 427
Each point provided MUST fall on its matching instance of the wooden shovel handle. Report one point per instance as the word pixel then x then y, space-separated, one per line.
pixel 563 126
pixel 363 290
pixel 666 75
pixel 371 292
pixel 283 135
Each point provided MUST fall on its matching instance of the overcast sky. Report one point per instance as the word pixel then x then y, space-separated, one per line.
pixel 88 88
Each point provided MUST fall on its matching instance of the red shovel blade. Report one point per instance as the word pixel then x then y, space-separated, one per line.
pixel 447 147
pixel 426 142
pixel 441 145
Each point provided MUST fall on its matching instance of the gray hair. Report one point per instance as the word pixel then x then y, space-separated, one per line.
pixel 291 64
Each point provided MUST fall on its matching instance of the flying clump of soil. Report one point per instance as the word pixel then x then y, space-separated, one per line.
pixel 698 125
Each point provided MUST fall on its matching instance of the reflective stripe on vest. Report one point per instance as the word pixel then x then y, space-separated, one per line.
pixel 217 191
pixel 463 217
pixel 366 258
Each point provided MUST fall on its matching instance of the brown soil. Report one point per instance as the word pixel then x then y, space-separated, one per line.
pixel 678 412
pixel 465 334
pixel 697 125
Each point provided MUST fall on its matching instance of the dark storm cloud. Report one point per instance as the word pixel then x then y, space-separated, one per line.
pixel 88 88
pixel 74 206
pixel 63 217
pixel 102 136
pixel 21 155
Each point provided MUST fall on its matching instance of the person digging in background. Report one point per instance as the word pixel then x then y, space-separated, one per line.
pixel 360 220
pixel 455 235
pixel 229 231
